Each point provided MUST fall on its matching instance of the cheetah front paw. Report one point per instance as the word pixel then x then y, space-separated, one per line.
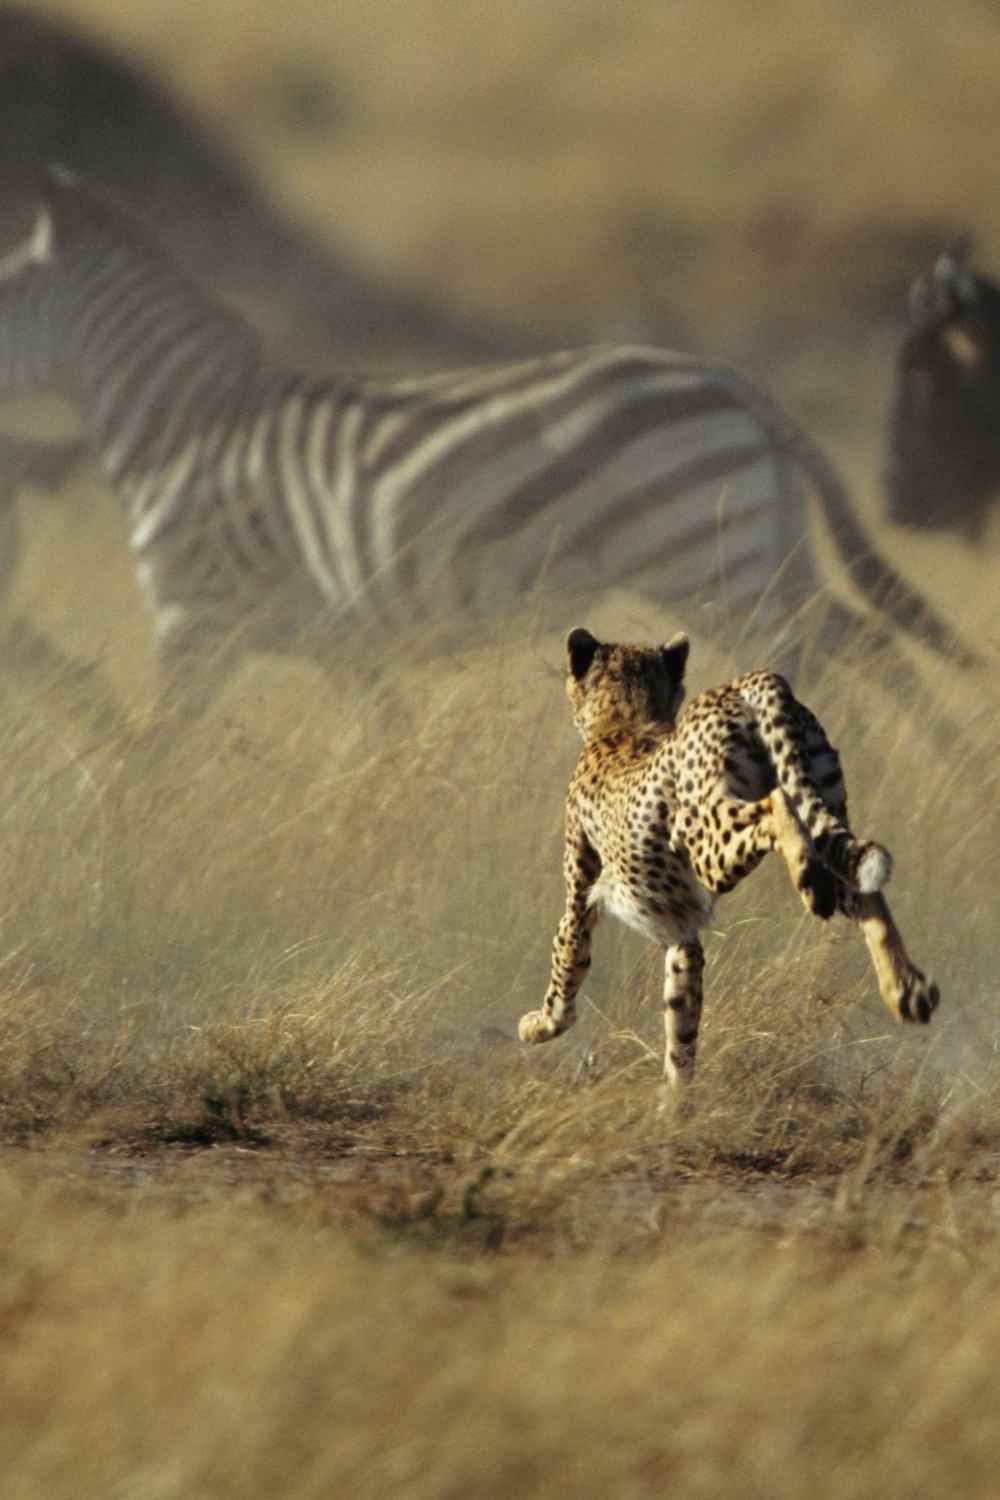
pixel 536 1026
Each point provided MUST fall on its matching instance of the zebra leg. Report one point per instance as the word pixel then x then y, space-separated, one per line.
pixel 200 631
pixel 378 706
pixel 28 654
pixel 36 661
pixel 684 964
pixel 44 465
pixel 192 673
pixel 196 661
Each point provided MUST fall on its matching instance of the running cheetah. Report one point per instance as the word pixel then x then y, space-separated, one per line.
pixel 666 813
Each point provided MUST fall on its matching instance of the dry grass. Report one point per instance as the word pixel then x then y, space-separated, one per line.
pixel 300 918
pixel 287 1208
pixel 307 919
pixel 254 1346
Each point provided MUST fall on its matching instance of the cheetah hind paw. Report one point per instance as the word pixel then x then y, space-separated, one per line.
pixel 919 998
pixel 818 889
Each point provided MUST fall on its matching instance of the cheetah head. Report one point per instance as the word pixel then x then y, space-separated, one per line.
pixel 617 687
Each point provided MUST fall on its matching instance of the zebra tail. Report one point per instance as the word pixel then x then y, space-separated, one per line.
pixel 884 588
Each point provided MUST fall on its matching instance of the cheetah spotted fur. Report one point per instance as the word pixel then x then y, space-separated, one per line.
pixel 668 810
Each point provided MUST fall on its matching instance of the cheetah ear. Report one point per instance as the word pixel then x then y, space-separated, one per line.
pixel 675 655
pixel 581 648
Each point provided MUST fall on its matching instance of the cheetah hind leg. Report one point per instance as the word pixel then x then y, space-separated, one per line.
pixel 909 993
pixel 810 874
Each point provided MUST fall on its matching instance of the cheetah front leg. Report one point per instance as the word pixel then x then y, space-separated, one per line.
pixel 684 964
pixel 906 990
pixel 571 946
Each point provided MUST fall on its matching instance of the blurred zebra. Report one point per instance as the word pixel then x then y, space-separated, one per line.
pixel 259 497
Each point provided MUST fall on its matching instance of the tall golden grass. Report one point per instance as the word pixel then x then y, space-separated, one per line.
pixel 288 1210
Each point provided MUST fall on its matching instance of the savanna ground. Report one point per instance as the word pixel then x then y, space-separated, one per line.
pixel 287 1211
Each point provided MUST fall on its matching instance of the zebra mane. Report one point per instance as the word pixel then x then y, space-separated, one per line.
pixel 76 206
pixel 75 215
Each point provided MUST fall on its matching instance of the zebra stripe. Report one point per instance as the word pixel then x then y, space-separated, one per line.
pixel 244 482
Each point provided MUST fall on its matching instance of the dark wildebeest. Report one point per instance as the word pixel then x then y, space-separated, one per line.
pixel 943 462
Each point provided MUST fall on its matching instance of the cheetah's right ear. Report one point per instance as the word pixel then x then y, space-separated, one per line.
pixel 675 655
pixel 581 648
